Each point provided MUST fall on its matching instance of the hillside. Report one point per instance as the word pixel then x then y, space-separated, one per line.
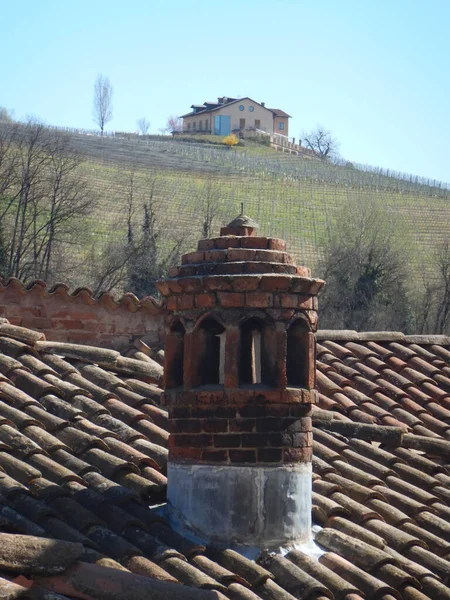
pixel 294 198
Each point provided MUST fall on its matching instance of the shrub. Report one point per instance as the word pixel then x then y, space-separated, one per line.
pixel 231 140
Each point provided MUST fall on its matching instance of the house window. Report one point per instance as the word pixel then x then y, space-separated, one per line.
pixel 280 125
pixel 175 353
pixel 241 123
pixel 206 124
pixel 251 108
pixel 257 124
pixel 189 126
pixel 297 363
pixel 200 125
pixel 241 107
pixel 194 125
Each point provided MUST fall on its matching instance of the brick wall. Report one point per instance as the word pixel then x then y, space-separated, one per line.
pixel 78 317
pixel 247 433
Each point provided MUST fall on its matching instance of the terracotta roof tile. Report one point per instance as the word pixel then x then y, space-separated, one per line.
pixel 434 543
pixel 368 584
pixel 48 442
pixel 438 565
pixel 356 531
pixel 90 578
pixel 36 366
pixel 358 512
pixel 270 590
pixel 189 574
pixel 395 577
pixel 236 591
pixel 354 490
pixel 292 578
pixel 391 514
pixel 216 571
pixel 29 555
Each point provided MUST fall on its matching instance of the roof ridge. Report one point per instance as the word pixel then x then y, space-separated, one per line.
pixel 351 335
pixel 128 300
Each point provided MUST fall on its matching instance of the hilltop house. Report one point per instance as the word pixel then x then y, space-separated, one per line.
pixel 229 115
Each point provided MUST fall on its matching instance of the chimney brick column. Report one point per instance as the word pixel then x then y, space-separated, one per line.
pixel 240 447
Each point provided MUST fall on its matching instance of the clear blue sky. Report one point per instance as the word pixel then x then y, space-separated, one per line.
pixel 374 72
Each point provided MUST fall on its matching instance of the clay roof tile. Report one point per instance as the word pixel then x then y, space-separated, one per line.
pixel 30 555
pixel 292 578
pixel 368 584
pixel 89 354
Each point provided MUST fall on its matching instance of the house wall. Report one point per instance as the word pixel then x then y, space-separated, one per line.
pixel 196 119
pixel 79 318
pixel 284 120
pixel 261 113
pixel 264 115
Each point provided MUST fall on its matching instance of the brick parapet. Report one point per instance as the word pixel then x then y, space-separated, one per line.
pixel 79 317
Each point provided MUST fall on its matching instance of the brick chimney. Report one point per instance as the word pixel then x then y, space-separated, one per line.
pixel 239 385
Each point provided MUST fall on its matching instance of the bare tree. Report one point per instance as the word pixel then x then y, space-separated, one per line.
pixel 5 115
pixel 151 242
pixel 143 125
pixel 102 109
pixel 365 269
pixel 320 141
pixel 174 125
pixel 430 298
pixel 41 198
pixel 210 206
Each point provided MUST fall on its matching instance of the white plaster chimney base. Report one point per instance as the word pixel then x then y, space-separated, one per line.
pixel 262 506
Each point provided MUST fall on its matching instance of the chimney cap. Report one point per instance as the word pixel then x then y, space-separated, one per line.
pixel 243 221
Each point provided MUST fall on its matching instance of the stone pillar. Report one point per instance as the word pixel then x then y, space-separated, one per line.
pixel 240 448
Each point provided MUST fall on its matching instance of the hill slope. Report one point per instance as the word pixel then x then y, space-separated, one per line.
pixel 293 198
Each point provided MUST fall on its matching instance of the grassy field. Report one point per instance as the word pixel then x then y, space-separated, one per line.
pixel 293 198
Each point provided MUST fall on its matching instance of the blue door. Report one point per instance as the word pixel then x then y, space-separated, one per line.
pixel 222 125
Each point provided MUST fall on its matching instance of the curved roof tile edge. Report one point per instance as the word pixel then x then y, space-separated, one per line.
pixel 127 300
pixel 349 335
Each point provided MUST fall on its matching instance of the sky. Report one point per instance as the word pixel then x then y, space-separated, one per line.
pixel 375 73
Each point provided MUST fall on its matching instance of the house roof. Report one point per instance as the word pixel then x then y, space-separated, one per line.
pixel 279 113
pixel 192 113
pixel 83 448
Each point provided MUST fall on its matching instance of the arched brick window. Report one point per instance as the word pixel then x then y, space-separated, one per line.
pixel 297 362
pixel 257 353
pixel 250 352
pixel 174 355
pixel 209 342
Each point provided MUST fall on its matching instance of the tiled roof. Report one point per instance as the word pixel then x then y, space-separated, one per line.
pixel 279 113
pixel 83 453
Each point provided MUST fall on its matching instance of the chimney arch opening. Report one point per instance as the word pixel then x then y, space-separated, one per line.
pixel 209 346
pixel 256 352
pixel 297 358
pixel 175 355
